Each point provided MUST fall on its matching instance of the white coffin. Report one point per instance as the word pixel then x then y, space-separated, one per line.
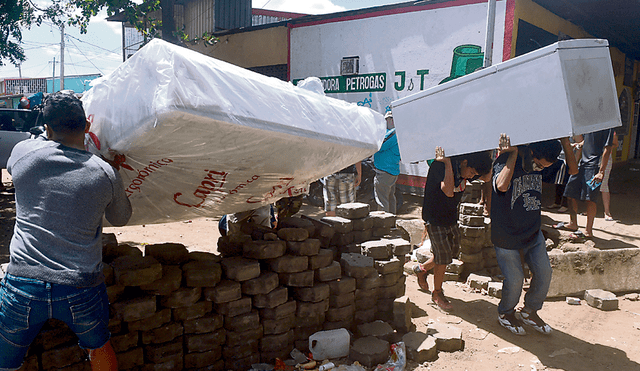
pixel 205 138
pixel 560 90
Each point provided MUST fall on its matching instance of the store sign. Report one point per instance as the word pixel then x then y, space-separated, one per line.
pixel 364 83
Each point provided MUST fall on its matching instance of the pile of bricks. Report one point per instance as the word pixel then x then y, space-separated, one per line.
pixel 266 293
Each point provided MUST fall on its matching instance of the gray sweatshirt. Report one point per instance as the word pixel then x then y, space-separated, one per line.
pixel 62 194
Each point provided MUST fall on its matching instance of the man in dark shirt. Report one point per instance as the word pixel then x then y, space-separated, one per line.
pixel 443 190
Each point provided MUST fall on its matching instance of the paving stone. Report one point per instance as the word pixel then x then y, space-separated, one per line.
pixel 209 323
pixel 298 279
pixel 130 359
pixel 368 283
pixel 364 315
pixel 242 322
pixel 169 282
pixel 307 247
pixel 379 329
pixel 315 293
pixel 135 309
pixel 471 209
pixel 353 210
pixel 369 351
pixel 170 363
pixel 231 245
pixel 123 342
pixel 182 297
pixel 471 258
pixel 343 239
pixel 204 256
pixel 382 219
pixel 241 351
pixel 352 248
pixel 293 234
pixel 224 292
pixel 448 338
pixel 261 249
pixel 390 279
pixel 155 320
pixel 162 334
pixel 357 265
pixel 133 270
pixel 280 325
pixel 495 289
pixel 476 281
pixel 303 333
pixel 329 273
pixel 263 284
pixel 280 311
pixel 402 311
pixel 168 253
pixel 601 299
pixel 238 338
pixel 324 258
pixel 362 224
pixel 380 232
pixel 297 222
pixel 240 269
pixel 455 267
pixel 341 314
pixel 364 298
pixel 471 245
pixel 388 266
pixel 202 273
pixel 398 246
pixel 448 276
pixel 385 305
pixel 389 292
pixel 472 220
pixel 310 309
pixel 471 232
pixel 378 249
pixel 197 310
pixel 312 320
pixel 107 271
pixel 289 264
pixel 271 343
pixel 234 308
pixel 420 347
pixel 342 285
pixel 157 353
pixel 115 292
pixel 277 296
pixel 342 300
pixel 199 360
pixel 339 224
pixel 346 324
pixel 362 236
pixel 243 363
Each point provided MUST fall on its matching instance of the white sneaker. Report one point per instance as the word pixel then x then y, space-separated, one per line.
pixel 531 318
pixel 511 323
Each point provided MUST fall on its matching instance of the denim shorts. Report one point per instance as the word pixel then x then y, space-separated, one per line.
pixel 27 303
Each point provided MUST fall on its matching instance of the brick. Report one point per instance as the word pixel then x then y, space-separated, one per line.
pixel 299 279
pixel 379 329
pixel 342 300
pixel 340 314
pixel 310 309
pixel 162 334
pixel 270 343
pixel 135 309
pixel 382 219
pixel 388 266
pixel 242 322
pixel 168 253
pixel 601 299
pixel 234 308
pixel 471 258
pixel 353 210
pixel 368 283
pixel 155 320
pixel 471 209
pixel 205 342
pixel 364 316
pixel 209 323
pixel 205 273
pixel 297 222
pixel 471 232
pixel 342 239
pixel 289 264
pixel 399 246
pixel 390 279
pixel 203 359
pixel 169 282
pixel 329 273
pixel 420 347
pixel 62 357
pixel 182 297
pixel 402 308
pixel 313 320
pixel 362 224
pixel 472 220
pixel 389 292
pixel 495 289
pixel 136 271
pixel 364 298
pixel 342 286
pixel 479 282
pixel 197 310
pixel 241 351
pixel 339 224
pixel 263 249
pixel 315 293
pixel 376 249
pixel 324 258
pixel 280 311
pixel 448 338
pixel 362 236
pixel 113 251
pixel 471 245
pixel 357 265
pixel 278 326
pixel 123 342
pixel 204 256
pixel 224 292
pixel 240 269
pixel 369 351
pixel 157 353
pixel 276 297
pixel 130 359
pixel 237 338
pixel 293 234
pixel 307 247
pixel 263 284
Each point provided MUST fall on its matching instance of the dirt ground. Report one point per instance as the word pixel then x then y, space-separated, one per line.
pixel 584 338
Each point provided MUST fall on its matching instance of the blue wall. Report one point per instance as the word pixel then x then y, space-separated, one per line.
pixel 78 84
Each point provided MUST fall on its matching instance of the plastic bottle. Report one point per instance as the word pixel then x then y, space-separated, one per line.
pixel 329 344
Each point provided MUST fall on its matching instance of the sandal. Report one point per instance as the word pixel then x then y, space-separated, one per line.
pixel 422 277
pixel 578 236
pixel 563 226
pixel 440 300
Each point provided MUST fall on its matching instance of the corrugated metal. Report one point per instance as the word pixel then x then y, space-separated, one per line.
pixel 259 19
pixel 199 17
pixel 231 14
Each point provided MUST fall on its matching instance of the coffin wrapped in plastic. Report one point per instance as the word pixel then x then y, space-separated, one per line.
pixel 202 137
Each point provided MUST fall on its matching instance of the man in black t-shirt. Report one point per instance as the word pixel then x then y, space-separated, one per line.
pixel 443 190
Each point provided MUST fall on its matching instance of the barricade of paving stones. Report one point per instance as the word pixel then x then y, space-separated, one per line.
pixel 264 294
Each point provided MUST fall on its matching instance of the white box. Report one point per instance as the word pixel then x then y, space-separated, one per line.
pixel 560 90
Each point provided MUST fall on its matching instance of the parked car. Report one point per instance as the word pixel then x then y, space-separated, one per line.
pixel 15 126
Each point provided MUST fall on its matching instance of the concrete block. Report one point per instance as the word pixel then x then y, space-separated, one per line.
pixel 206 324
pixel 471 232
pixel 312 320
pixel 170 281
pixel 402 310
pixel 475 258
pixel 448 338
pixel 242 363
pixel 380 232
pixel 362 224
pixel 289 264
pixel 199 256
pixel 293 234
pixel 345 324
pixel 339 224
pixel 357 265
pixel 135 309
pixel 382 219
pixel 470 245
pixel 162 334
pixel 197 310
pixel 364 315
pixel 342 286
pixel 158 353
pixel 315 293
pixel 389 279
pixel 324 258
pixel 224 292
pixel 378 249
pixel 234 308
pixel 398 246
pixel 329 273
pixel 340 314
pixel 353 210
pixel 131 358
pixel 298 222
pixel 240 269
pixel 241 351
pixel 155 320
pixel 133 270
pixel 204 360
pixel 379 329
pixel 307 247
pixel 479 282
pixel 342 239
pixel 311 309
pixel 495 289
pixel 271 343
pixel 276 297
pixel 298 279
pixel 420 347
pixel 362 236
pixel 390 292
pixel 202 273
pixel 489 253
pixel 115 292
pixel 388 266
pixel 369 351
pixel 280 311
pixel 182 297
pixel 242 322
pixel 342 300
pixel 471 209
pixel 261 249
pixel 364 298
pixel 168 253
pixel 601 299
pixel 280 325
pixel 238 338
pixel 368 283
pixel 263 284
pixel 303 333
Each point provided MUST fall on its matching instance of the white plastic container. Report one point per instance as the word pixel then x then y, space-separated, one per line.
pixel 329 344
pixel 560 90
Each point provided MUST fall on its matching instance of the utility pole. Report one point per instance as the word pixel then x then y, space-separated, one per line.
pixel 491 23
pixel 61 57
pixel 53 78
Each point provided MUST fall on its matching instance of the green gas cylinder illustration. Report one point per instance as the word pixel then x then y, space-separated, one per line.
pixel 466 59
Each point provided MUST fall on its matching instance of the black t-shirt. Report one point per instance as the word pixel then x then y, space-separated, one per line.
pixel 593 147
pixel 515 214
pixel 437 208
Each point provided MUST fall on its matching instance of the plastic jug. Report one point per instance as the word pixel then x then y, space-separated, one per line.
pixel 329 344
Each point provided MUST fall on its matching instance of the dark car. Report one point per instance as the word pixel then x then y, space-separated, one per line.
pixel 15 126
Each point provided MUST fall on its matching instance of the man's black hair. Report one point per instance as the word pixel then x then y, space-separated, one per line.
pixel 480 161
pixel 546 150
pixel 63 113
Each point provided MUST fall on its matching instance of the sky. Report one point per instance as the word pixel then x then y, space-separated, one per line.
pixel 99 51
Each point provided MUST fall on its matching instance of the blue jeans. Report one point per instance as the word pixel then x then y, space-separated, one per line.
pixel 535 255
pixel 26 304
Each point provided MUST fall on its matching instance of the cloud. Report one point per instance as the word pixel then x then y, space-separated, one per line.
pixel 297 6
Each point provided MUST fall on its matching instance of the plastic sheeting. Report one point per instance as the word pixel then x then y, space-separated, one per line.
pixel 202 137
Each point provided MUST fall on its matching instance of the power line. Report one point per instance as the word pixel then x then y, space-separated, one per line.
pixel 99 47
pixel 81 52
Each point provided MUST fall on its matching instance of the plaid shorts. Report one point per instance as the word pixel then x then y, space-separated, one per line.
pixel 339 189
pixel 445 243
